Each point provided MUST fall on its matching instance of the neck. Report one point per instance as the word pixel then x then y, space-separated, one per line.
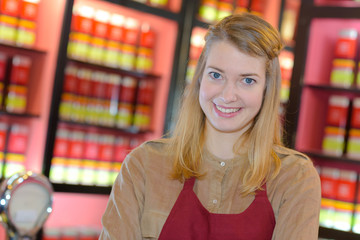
pixel 221 144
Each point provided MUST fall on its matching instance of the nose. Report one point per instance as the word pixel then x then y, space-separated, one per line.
pixel 229 93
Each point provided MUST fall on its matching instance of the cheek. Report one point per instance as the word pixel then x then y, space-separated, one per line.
pixel 256 100
pixel 204 92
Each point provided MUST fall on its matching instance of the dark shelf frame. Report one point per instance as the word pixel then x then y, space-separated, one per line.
pixel 23 48
pixel 161 12
pixel 332 88
pixel 70 188
pixel 337 234
pixel 131 130
pixel 117 70
pixel 22 115
pixel 332 158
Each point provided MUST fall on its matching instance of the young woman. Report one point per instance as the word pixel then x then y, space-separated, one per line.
pixel 223 174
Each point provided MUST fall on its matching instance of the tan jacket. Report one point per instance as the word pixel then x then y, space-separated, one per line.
pixel 143 194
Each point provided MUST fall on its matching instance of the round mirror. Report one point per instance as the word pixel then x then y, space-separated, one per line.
pixel 25 203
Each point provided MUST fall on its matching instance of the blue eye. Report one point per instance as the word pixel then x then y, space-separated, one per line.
pixel 249 81
pixel 215 75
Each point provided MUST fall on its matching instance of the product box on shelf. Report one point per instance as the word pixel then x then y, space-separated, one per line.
pixel 9 12
pixel 16 88
pixel 99 37
pixel 114 42
pixel 338 197
pixel 335 130
pixel 3 137
pixel 343 65
pixel 16 149
pixel 18 22
pixel 356 222
pixel 27 26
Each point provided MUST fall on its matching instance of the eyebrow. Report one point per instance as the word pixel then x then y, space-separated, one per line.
pixel 243 74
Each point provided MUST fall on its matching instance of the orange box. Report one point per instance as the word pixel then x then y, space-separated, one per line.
pixel 116 28
pixel 20 70
pixel 346 44
pixel 29 9
pixel 147 36
pixel 100 24
pixel 82 20
pixel 338 111
pixel 10 7
pixel 131 31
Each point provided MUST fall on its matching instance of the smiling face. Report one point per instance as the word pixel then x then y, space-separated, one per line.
pixel 231 89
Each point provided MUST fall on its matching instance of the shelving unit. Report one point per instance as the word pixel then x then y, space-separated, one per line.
pixel 169 26
pixel 319 24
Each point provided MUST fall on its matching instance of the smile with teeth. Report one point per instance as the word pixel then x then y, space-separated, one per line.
pixel 227 110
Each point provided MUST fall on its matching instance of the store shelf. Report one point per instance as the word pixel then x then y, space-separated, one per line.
pixel 333 88
pixel 337 234
pixel 149 9
pixel 116 70
pixel 22 49
pixel 70 188
pixel 319 155
pixel 333 12
pixel 131 130
pixel 199 23
pixel 21 115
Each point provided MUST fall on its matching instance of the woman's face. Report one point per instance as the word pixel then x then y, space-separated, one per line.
pixel 231 88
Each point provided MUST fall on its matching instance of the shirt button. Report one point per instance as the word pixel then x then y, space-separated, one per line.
pixel 214 201
pixel 222 164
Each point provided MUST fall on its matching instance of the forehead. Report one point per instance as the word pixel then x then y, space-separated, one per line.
pixel 225 54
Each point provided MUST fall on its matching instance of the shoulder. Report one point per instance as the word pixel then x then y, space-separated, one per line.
pixel 153 147
pixel 149 155
pixel 295 166
pixel 291 158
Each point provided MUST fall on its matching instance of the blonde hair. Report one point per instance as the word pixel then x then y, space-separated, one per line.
pixel 254 36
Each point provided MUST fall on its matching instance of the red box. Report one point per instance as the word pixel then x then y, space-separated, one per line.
pixel 346 44
pixel 10 7
pixel 131 31
pixel 76 147
pixel 62 143
pixel 82 20
pixel 3 64
pixel 116 28
pixel 70 81
pixel 346 186
pixel 98 80
pixel 92 148
pixel 128 90
pixel 3 132
pixel 20 70
pixel 29 9
pixel 329 182
pixel 355 114
pixel 338 111
pixel 147 36
pixel 145 94
pixel 100 24
pixel 113 87
pixel 122 148
pixel 84 82
pixel 18 138
pixel 106 152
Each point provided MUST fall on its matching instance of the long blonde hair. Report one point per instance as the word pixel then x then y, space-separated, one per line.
pixel 254 36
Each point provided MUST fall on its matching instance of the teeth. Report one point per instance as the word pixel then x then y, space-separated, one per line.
pixel 227 110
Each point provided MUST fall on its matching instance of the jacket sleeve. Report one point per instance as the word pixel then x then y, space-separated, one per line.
pixel 121 219
pixel 298 213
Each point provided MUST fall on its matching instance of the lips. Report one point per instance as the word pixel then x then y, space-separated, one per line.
pixel 227 110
